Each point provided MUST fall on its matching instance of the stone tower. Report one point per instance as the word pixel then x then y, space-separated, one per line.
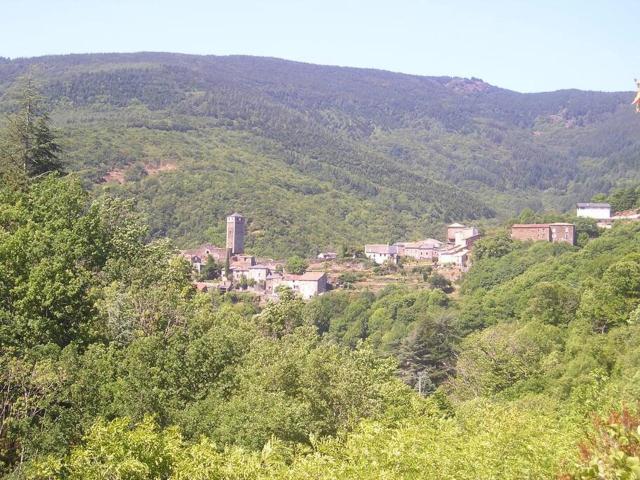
pixel 235 233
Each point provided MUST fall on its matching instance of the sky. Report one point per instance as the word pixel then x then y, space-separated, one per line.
pixel 528 46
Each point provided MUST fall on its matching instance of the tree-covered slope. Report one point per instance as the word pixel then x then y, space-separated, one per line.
pixel 317 156
pixel 112 365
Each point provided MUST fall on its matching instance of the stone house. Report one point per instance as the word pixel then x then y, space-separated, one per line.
pixel 453 229
pixel 238 272
pixel 197 257
pixel 563 232
pixel 422 250
pixel 259 273
pixel 245 261
pixel 544 232
pixel 309 284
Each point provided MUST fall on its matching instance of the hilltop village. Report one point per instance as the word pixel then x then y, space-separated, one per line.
pixel 230 268
pixel 265 277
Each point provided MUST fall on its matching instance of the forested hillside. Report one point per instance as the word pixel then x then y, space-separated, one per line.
pixel 113 366
pixel 319 156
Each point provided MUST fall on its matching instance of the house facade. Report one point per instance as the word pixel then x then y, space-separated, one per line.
pixel 381 253
pixel 259 273
pixel 197 257
pixel 465 237
pixel 599 211
pixel 453 229
pixel 536 232
pixel 563 232
pixel 544 232
pixel 423 250
pixel 307 285
pixel 456 256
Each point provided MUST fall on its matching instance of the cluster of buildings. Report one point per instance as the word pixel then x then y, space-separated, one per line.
pixel 263 276
pixel 566 232
pixel 455 251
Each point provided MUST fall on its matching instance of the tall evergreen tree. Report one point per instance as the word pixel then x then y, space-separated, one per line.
pixel 427 352
pixel 29 147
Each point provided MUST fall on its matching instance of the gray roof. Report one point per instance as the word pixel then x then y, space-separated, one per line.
pixel 382 249
pixel 236 214
pixel 594 205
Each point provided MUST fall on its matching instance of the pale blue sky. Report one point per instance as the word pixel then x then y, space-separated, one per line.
pixel 523 45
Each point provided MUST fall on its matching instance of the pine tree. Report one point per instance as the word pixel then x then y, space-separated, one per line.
pixel 427 352
pixel 28 146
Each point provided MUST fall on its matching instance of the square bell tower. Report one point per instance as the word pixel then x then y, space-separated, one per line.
pixel 235 233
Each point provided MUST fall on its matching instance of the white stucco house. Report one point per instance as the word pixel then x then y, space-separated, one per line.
pixel 381 253
pixel 307 285
pixel 457 256
pixel 599 211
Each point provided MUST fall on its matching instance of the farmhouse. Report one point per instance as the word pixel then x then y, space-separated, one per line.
pixel 563 232
pixel 544 232
pixel 381 253
pixel 599 211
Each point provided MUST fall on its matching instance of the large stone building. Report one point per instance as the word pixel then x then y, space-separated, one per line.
pixel 235 233
pixel 544 232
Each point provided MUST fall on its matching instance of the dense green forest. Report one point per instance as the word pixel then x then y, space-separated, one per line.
pixel 317 156
pixel 113 366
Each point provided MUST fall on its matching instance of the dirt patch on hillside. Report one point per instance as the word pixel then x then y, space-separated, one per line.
pixel 114 176
pixel 153 169
pixel 118 175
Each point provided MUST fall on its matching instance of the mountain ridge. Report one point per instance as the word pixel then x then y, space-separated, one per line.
pixel 390 155
pixel 39 58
